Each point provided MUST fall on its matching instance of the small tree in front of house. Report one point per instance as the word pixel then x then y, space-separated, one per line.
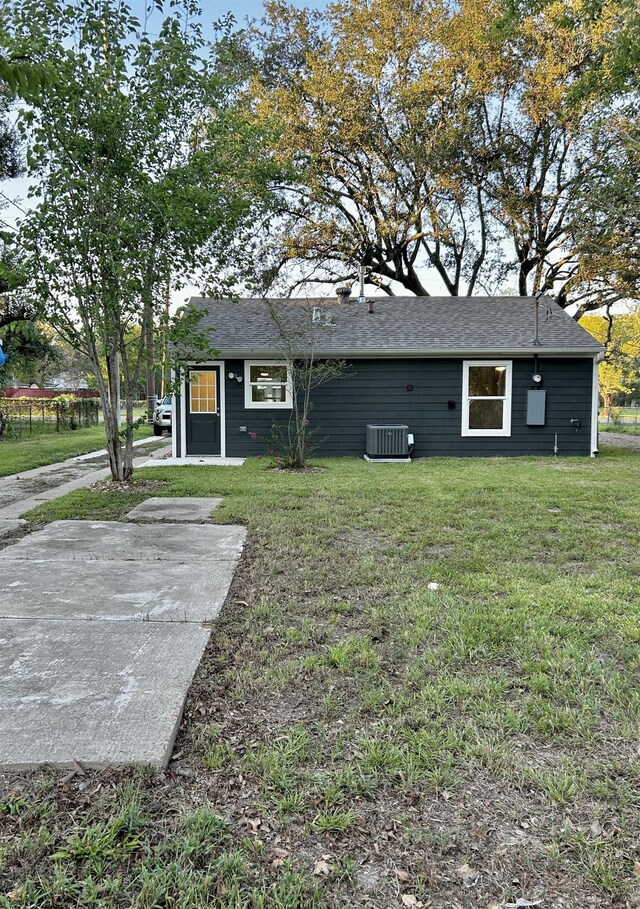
pixel 294 442
pixel 144 170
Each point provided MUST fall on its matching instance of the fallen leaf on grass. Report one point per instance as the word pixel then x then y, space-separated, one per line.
pixel 322 867
pixel 408 899
pixel 433 585
pixel 596 828
pixel 403 876
pixel 468 874
pixel 522 903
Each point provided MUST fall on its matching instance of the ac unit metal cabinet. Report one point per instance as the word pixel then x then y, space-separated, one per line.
pixel 387 441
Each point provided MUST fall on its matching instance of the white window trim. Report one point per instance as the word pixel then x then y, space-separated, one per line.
pixel 266 405
pixel 506 423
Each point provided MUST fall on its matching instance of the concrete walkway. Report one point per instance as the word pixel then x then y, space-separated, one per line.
pixel 21 492
pixel 100 635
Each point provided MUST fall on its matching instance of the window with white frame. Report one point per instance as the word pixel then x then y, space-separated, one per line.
pixel 267 384
pixel 486 398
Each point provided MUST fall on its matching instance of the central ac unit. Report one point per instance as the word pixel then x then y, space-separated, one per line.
pixel 387 441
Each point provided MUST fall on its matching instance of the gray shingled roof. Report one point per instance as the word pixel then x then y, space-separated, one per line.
pixel 399 326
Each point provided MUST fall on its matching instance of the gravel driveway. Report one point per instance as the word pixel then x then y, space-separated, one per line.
pixel 620 440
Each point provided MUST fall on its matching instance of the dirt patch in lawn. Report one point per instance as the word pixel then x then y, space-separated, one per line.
pixel 134 485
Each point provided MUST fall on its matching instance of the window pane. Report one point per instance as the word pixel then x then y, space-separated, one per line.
pixel 262 393
pixel 265 374
pixel 487 381
pixel 202 392
pixel 486 414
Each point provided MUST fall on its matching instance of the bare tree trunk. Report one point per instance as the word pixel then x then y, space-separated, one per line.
pixel 127 466
pixel 148 331
pixel 166 378
pixel 109 398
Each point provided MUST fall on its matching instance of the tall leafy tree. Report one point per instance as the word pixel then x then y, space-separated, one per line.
pixel 606 224
pixel 12 309
pixel 620 371
pixel 146 173
pixel 435 140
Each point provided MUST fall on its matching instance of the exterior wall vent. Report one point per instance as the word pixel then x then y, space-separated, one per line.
pixel 387 441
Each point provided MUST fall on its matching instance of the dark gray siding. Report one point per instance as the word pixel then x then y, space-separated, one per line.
pixel 375 391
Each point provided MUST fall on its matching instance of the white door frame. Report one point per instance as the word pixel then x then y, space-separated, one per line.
pixel 183 409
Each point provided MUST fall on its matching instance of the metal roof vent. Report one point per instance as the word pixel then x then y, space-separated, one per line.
pixel 343 293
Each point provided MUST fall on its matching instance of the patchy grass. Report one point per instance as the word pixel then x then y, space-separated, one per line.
pixel 17 456
pixel 352 736
pixel 632 429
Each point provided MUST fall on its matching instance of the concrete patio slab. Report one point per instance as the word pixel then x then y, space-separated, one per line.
pixel 9 526
pixel 100 635
pixel 174 508
pixel 106 540
pixel 99 693
pixel 114 590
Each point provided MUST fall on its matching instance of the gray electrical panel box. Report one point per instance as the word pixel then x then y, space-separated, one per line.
pixel 536 407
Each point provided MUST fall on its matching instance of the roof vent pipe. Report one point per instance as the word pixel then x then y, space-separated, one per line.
pixel 361 274
pixel 343 293
pixel 315 315
pixel 370 306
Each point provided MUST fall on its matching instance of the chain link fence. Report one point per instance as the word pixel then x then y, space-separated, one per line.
pixel 21 418
pixel 626 418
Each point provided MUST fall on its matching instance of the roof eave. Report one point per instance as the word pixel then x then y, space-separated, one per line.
pixel 403 353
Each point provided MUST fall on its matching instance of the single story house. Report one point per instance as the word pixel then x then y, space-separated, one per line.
pixel 464 376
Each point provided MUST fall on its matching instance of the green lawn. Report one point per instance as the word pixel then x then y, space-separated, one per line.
pixel 50 447
pixel 632 429
pixel 461 746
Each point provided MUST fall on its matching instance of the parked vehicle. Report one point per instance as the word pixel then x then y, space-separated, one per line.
pixel 162 416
